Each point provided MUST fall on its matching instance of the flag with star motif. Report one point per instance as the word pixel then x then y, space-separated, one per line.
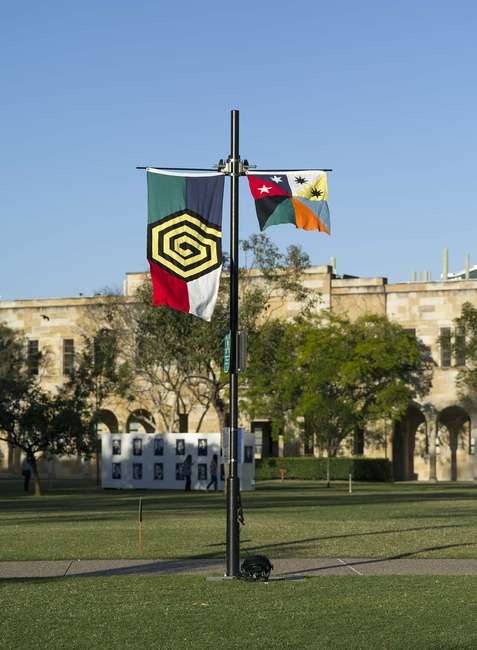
pixel 299 197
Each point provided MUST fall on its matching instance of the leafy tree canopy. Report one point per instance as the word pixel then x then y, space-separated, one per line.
pixel 174 361
pixel 464 348
pixel 39 422
pixel 329 374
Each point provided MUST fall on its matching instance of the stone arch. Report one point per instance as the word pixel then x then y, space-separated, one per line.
pixel 409 444
pixel 140 421
pixel 107 422
pixel 453 443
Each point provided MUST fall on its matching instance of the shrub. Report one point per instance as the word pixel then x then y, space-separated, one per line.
pixel 314 469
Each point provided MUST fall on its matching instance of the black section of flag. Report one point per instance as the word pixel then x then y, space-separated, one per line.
pixel 266 207
pixel 185 245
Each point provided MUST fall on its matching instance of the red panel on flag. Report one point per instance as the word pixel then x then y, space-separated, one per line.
pixel 261 188
pixel 169 290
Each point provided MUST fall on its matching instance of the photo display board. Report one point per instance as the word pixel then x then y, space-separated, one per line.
pixel 154 461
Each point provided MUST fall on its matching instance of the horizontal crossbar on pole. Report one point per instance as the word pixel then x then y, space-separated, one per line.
pixel 180 169
pixel 204 169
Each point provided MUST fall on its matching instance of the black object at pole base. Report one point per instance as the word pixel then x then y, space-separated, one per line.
pixel 255 568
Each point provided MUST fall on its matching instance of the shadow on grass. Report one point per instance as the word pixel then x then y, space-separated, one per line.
pixel 130 567
pixel 325 499
pixel 84 500
pixel 392 558
pixel 81 495
pixel 299 544
pixel 203 566
pixel 97 500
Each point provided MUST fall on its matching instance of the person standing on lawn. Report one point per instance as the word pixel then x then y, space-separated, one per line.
pixel 26 473
pixel 213 473
pixel 187 471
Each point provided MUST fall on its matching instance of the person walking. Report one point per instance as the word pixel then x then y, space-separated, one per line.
pixel 213 473
pixel 187 471
pixel 26 473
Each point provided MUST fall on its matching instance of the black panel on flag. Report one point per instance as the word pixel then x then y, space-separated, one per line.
pixel 266 206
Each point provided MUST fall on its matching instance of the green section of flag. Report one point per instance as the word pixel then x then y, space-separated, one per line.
pixel 166 194
pixel 283 213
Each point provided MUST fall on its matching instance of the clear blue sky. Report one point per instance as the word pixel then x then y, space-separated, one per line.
pixel 384 93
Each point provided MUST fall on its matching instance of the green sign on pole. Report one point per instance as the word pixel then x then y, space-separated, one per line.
pixel 227 352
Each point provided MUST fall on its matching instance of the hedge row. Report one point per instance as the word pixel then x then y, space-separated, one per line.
pixel 307 468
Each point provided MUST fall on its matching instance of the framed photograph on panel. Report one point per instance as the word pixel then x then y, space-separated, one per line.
pixel 180 447
pixel 179 472
pixel 137 447
pixel 248 454
pixel 158 471
pixel 202 447
pixel 116 470
pixel 158 446
pixel 202 471
pixel 137 471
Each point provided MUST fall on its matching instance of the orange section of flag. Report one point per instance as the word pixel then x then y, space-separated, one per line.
pixel 306 219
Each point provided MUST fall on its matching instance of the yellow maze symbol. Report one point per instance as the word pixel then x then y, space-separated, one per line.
pixel 186 245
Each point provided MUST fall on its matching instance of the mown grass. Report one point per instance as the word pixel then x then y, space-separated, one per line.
pixel 422 613
pixel 78 520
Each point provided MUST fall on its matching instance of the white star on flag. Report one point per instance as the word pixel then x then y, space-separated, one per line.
pixel 264 189
pixel 277 179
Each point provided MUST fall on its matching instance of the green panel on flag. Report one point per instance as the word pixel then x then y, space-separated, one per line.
pixel 165 195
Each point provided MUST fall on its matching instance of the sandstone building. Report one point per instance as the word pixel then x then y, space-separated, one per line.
pixel 434 441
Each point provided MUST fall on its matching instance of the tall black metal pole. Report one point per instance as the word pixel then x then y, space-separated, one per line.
pixel 233 532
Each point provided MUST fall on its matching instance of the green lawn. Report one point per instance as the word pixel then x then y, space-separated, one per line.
pixel 146 613
pixel 79 520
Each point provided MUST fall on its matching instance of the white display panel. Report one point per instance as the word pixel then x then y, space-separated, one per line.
pixel 153 461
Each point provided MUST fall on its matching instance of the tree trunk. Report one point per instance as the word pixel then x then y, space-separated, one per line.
pixel 220 408
pixel 36 476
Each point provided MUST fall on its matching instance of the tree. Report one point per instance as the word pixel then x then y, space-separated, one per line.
pixel 180 360
pixel 36 421
pixel 96 377
pixel 321 403
pixel 98 372
pixel 390 367
pixel 329 375
pixel 464 349
pixel 12 354
pixel 174 361
pixel 263 392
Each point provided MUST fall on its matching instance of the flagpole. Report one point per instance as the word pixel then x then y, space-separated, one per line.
pixel 233 532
